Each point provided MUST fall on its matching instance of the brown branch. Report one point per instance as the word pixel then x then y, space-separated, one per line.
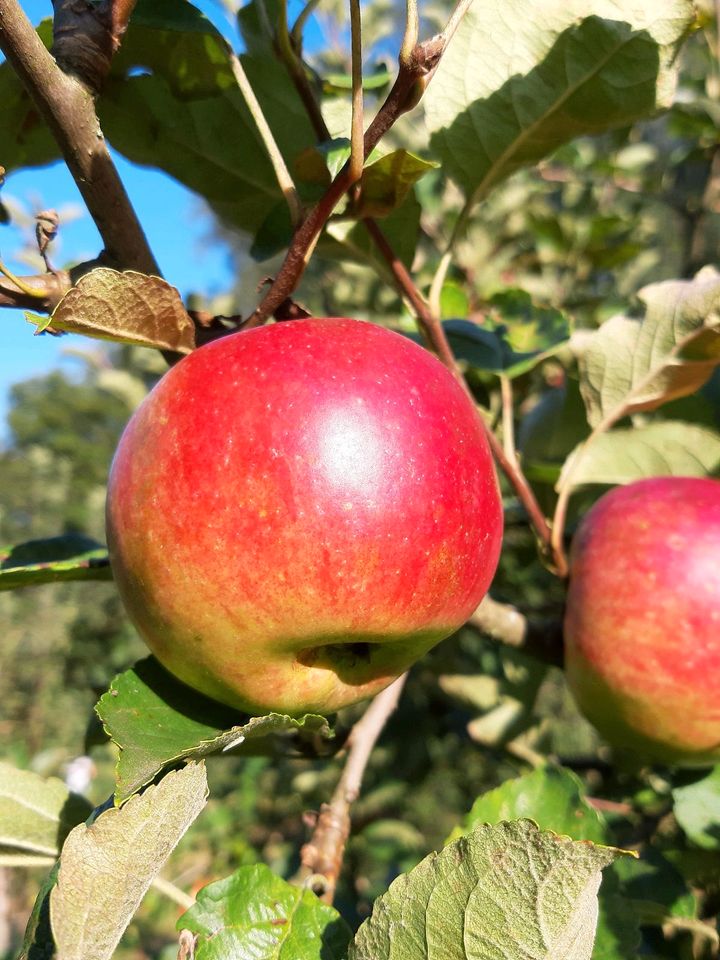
pixel 67 107
pixel 120 13
pixel 322 856
pixel 542 640
pixel 87 35
pixel 357 150
pixel 53 286
pixel 287 48
pixel 434 332
pixel 405 93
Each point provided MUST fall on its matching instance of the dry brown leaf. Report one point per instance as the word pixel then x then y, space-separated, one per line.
pixel 126 307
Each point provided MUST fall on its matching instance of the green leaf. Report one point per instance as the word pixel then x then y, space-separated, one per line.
pixel 532 331
pixel 697 809
pixel 255 20
pixel 156 721
pixel 106 868
pixel 186 115
pixel 370 81
pixel 72 557
pixel 552 796
pixel 385 184
pixel 127 307
pixel 519 79
pixel 665 448
pixel 552 429
pixel 515 336
pixel 178 40
pixel 273 233
pixel 652 879
pixel 255 915
pixel 454 302
pixel 38 943
pixel 507 891
pixel 633 364
pixel 320 164
pixel 36 814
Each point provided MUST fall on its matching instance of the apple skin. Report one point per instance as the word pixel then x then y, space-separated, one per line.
pixel 297 513
pixel 642 628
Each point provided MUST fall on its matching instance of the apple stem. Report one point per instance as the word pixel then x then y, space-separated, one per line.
pixel 322 856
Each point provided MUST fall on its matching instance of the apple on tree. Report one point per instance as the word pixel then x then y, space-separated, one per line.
pixel 642 629
pixel 297 513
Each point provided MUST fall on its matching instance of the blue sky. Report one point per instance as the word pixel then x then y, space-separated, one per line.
pixel 173 219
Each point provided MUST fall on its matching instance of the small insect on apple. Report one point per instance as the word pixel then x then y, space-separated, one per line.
pixel 642 630
pixel 297 513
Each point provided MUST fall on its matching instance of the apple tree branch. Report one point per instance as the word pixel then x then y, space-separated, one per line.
pixel 65 101
pixel 414 73
pixel 434 333
pixel 322 856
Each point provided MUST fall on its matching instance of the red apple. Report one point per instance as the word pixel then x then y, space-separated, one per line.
pixel 642 628
pixel 297 513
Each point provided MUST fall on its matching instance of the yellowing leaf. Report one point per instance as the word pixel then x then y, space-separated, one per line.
pixel 633 364
pixel 126 307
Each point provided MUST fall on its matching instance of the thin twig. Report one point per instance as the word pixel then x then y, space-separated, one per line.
pixel 282 174
pixel 434 332
pixel 67 107
pixel 297 31
pixel 21 285
pixel 168 889
pixel 322 856
pixel 566 488
pixel 48 290
pixel 456 18
pixel 403 96
pixel 508 419
pixel 412 32
pixel 357 147
pixel 288 49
